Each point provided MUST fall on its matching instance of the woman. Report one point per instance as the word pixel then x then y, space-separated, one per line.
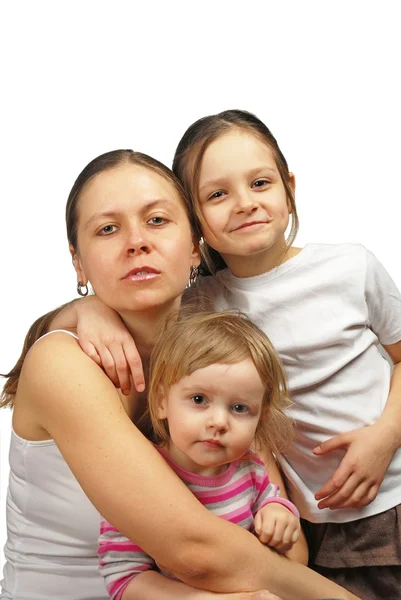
pixel 129 234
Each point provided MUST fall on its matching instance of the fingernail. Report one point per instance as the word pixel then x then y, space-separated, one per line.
pixel 141 387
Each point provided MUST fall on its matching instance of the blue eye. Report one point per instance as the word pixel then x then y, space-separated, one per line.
pixel 107 230
pixel 198 399
pixel 240 409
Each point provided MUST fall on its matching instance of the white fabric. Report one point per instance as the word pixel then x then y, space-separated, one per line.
pixel 52 527
pixel 325 310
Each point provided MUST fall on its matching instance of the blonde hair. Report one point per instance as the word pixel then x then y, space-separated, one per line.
pixel 188 159
pixel 200 340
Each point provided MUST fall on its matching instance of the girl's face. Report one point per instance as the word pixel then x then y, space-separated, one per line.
pixel 243 202
pixel 134 240
pixel 212 415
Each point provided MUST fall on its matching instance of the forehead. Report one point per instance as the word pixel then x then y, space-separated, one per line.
pixel 241 378
pixel 234 149
pixel 128 186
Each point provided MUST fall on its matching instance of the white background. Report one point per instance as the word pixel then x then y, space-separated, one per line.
pixel 81 78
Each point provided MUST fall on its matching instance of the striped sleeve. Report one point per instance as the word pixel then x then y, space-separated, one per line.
pixel 268 492
pixel 120 560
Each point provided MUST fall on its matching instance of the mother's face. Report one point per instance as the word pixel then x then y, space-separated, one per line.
pixel 134 240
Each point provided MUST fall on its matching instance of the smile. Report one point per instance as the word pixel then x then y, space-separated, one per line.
pixel 251 225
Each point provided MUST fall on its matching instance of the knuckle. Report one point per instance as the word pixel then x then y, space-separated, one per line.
pixel 337 481
pixel 108 364
pixel 121 366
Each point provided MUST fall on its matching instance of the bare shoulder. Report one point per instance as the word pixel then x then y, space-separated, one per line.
pixel 57 373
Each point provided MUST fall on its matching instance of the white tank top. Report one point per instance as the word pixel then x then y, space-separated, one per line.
pixel 52 529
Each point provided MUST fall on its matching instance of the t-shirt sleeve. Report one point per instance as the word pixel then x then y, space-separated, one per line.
pixel 120 560
pixel 383 300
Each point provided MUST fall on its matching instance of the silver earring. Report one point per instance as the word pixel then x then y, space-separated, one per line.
pixel 82 289
pixel 193 274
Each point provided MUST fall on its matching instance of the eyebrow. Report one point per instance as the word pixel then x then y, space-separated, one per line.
pixel 251 173
pixel 115 213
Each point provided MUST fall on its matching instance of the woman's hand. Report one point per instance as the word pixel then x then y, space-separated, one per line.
pixel 357 479
pixel 105 339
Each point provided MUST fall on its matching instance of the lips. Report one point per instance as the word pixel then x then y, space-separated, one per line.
pixel 250 223
pixel 142 273
pixel 213 443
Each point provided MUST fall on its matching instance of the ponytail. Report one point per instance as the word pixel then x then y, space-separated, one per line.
pixel 36 331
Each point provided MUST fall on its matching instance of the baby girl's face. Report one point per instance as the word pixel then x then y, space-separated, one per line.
pixel 212 415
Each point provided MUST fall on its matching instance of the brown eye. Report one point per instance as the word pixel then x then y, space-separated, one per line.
pixel 198 399
pixel 216 195
pixel 157 221
pixel 260 183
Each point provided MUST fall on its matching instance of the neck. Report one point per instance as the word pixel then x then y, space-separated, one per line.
pixel 258 263
pixel 146 326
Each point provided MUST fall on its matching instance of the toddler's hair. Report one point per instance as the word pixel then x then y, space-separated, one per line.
pixel 203 339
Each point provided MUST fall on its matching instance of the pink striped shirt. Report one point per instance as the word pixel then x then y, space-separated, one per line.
pixel 235 495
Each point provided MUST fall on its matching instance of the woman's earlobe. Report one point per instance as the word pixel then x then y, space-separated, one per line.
pixel 82 279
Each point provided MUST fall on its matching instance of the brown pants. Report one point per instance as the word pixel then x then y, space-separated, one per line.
pixel 363 556
pixel 368 583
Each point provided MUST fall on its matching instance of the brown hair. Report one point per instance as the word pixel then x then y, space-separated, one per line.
pixel 188 159
pixel 109 160
pixel 106 161
pixel 200 340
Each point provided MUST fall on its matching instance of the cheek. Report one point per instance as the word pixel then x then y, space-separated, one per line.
pixel 214 222
pixel 99 268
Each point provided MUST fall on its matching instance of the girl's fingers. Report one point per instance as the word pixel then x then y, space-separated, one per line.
pixel 90 351
pixel 278 534
pixel 135 364
pixel 267 531
pixel 341 496
pixel 258 523
pixel 121 367
pixel 364 494
pixel 108 365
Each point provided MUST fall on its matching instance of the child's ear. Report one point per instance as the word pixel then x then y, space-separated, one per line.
pixel 292 185
pixel 161 403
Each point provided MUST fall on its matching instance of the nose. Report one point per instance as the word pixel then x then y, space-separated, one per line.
pixel 246 202
pixel 217 418
pixel 138 241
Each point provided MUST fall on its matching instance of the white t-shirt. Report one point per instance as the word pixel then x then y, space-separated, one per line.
pixel 325 310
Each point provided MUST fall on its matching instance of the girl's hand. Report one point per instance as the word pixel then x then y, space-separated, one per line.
pixel 277 526
pixel 104 338
pixel 357 479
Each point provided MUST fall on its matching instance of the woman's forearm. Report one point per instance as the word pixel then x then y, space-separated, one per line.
pixel 151 585
pixel 253 567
